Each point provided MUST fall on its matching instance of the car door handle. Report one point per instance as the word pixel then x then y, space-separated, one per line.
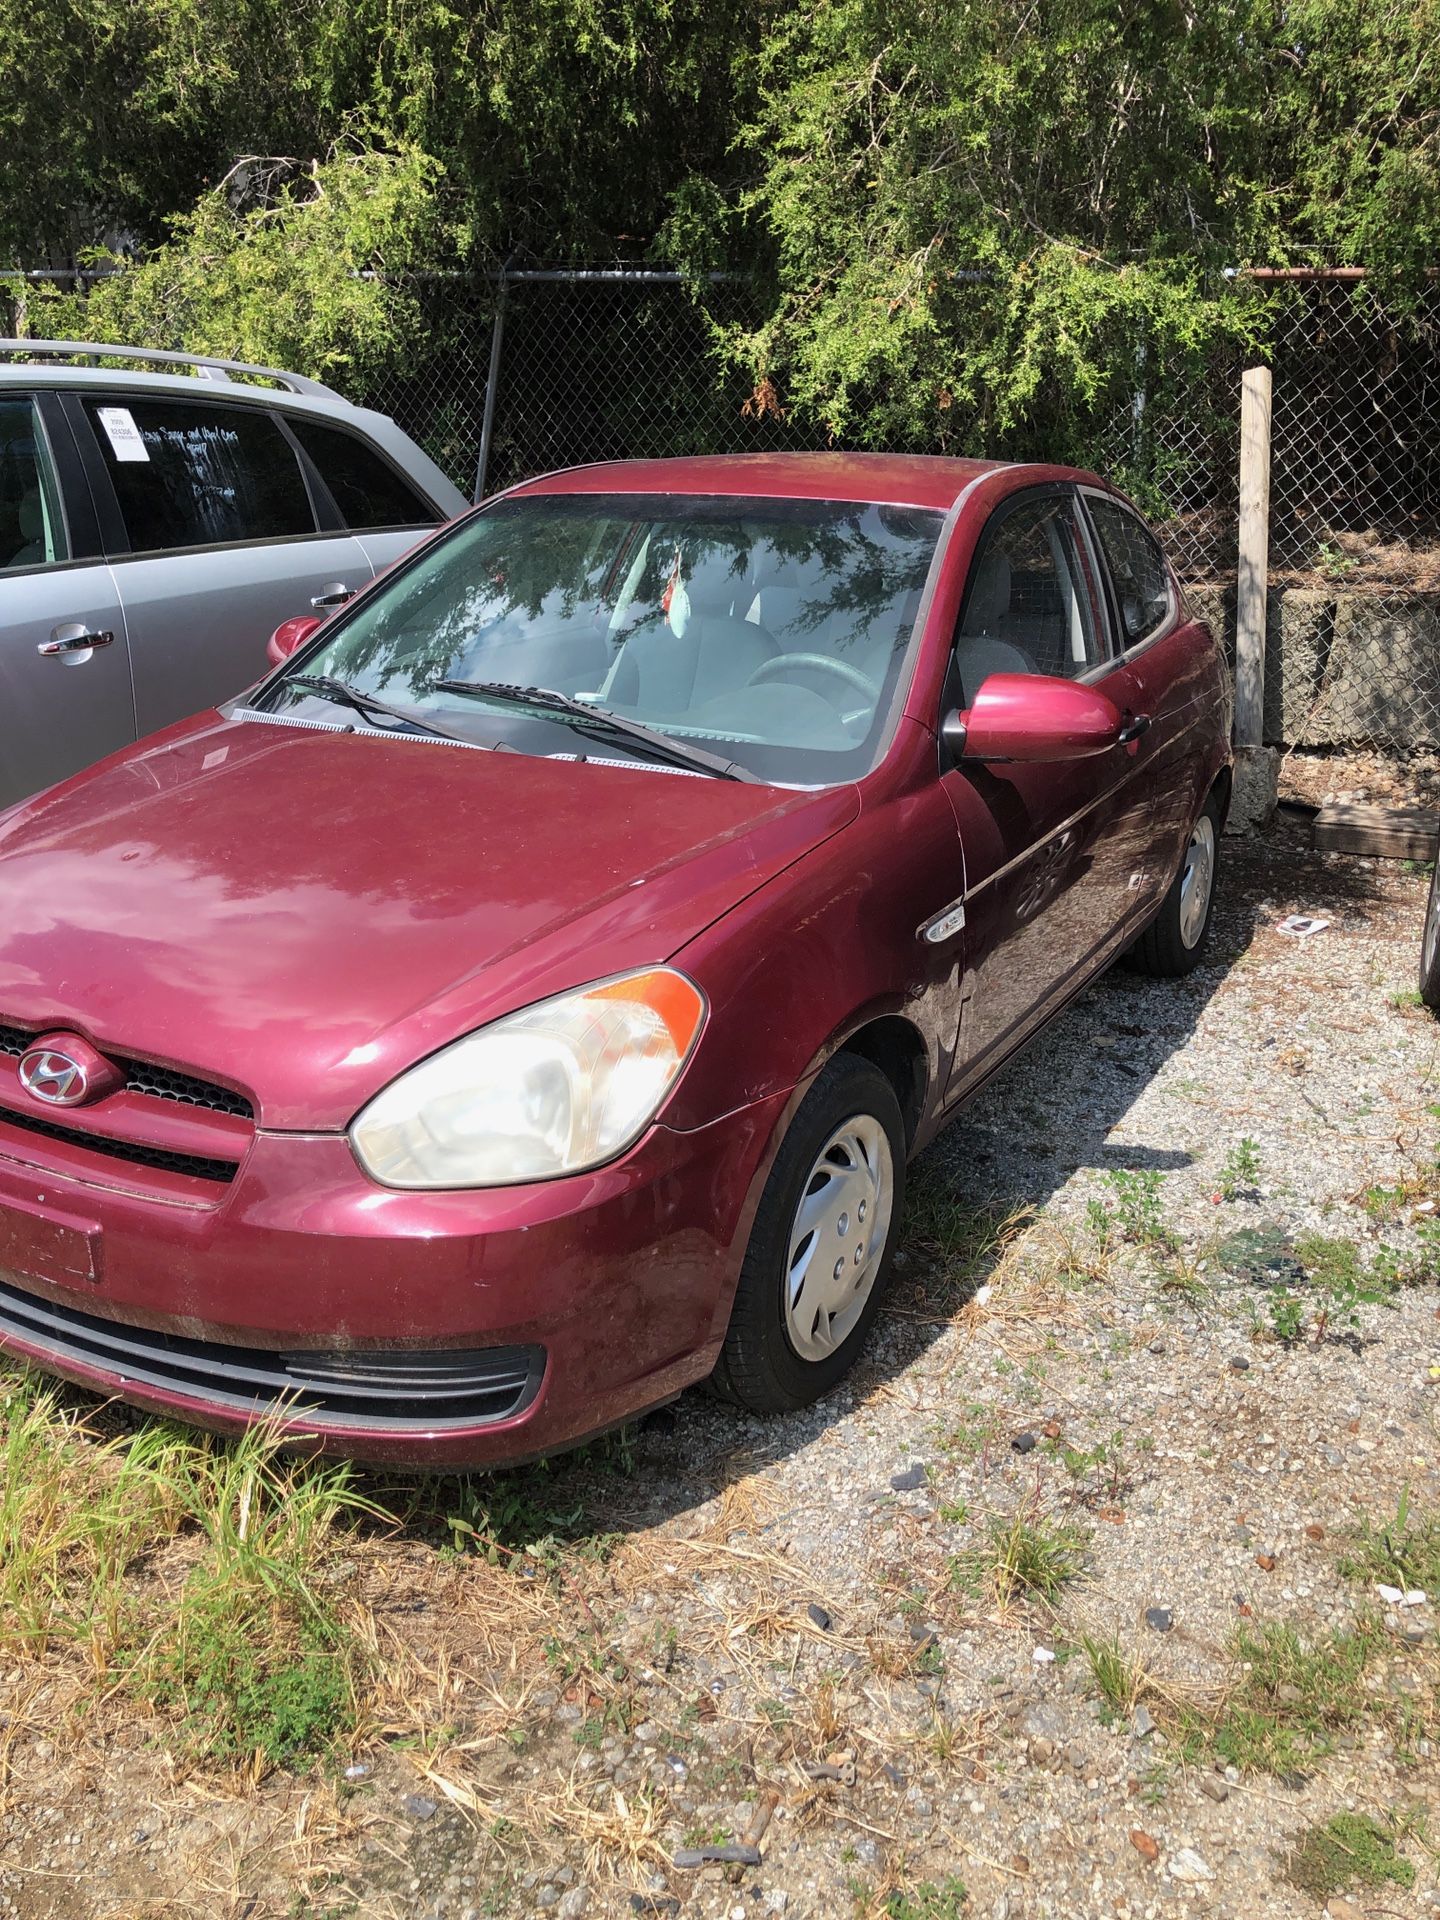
pixel 334 595
pixel 1137 724
pixel 72 639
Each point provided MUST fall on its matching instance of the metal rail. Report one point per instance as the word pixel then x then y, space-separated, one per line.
pixel 206 368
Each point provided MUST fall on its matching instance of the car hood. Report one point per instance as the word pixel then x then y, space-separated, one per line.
pixel 304 913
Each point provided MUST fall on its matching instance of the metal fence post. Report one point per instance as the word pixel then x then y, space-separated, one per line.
pixel 492 382
pixel 1253 572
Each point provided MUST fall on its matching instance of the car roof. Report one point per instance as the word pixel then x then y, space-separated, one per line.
pixel 31 374
pixel 891 479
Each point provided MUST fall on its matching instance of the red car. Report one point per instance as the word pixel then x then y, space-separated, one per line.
pixel 525 1001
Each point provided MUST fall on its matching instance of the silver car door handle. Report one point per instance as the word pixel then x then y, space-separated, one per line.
pixel 72 639
pixel 335 595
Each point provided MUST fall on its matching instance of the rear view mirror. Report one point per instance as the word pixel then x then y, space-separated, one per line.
pixel 1034 717
pixel 288 636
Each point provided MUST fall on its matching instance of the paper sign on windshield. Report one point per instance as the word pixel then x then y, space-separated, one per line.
pixel 122 433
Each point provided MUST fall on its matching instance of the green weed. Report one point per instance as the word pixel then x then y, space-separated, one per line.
pixel 1349 1850
pixel 1403 1553
pixel 1241 1171
pixel 1291 1699
pixel 928 1901
pixel 1136 1209
pixel 1116 1679
pixel 1025 1557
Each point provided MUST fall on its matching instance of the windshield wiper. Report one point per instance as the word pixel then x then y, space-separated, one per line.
pixel 343 694
pixel 600 724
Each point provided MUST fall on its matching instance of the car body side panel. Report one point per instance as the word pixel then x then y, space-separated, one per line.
pixel 833 944
pixel 59 714
pixel 199 620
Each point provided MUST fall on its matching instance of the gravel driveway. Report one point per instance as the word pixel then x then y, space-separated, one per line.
pixel 998 1630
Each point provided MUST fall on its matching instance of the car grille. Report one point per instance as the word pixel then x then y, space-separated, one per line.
pixel 135 1151
pixel 160 1083
pixel 386 1391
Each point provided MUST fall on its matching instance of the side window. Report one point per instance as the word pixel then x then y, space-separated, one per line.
pixel 367 489
pixel 1137 568
pixel 32 527
pixel 1029 607
pixel 190 475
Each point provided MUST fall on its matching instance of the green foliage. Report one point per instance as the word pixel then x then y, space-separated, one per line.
pixel 1292 1697
pixel 931 1900
pixel 979 229
pixel 991 224
pixel 1348 1850
pixel 1241 1171
pixel 1403 1553
pixel 248 1653
pixel 1115 1677
pixel 1027 1557
pixel 253 1679
pixel 1136 1210
pixel 286 278
pixel 555 125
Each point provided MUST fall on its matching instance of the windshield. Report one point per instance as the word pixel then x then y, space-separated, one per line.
pixel 770 632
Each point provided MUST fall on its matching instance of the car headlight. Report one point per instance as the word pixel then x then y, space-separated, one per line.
pixel 553 1089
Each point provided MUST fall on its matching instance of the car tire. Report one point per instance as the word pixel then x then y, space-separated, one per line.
pixel 1430 945
pixel 1174 942
pixel 822 1244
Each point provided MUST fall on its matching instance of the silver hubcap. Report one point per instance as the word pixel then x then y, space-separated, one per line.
pixel 1197 880
pixel 1432 931
pixel 838 1236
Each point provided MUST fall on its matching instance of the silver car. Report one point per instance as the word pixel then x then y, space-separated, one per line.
pixel 156 527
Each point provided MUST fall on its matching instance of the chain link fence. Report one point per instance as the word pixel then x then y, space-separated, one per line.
pixel 1353 628
pixel 598 365
pixel 506 378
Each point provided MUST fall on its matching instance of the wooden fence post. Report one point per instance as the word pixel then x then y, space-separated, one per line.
pixel 1253 572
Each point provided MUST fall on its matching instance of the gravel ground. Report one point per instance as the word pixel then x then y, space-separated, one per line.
pixel 798 1635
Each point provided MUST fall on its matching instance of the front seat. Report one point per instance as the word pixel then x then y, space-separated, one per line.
pixel 979 649
pixel 665 672
pixel 30 525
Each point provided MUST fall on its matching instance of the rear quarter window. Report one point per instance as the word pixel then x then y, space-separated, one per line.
pixel 190 475
pixel 365 487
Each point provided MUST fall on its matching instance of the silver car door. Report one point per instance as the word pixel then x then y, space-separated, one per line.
pixel 65 690
pixel 214 537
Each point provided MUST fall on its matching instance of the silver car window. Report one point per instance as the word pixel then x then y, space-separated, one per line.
pixel 32 525
pixel 189 475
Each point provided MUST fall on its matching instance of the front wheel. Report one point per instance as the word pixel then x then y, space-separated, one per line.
pixel 1174 942
pixel 821 1247
pixel 1430 945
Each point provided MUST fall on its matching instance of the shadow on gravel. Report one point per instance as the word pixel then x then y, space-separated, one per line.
pixel 1047 1113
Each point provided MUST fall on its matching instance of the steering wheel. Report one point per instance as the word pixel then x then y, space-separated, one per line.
pixel 842 669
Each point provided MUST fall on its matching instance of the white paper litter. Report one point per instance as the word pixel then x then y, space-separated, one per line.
pixel 1300 926
pixel 1042 1656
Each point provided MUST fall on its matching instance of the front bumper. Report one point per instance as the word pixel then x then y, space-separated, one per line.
pixel 612 1287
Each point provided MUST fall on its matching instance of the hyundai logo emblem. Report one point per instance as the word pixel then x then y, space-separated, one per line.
pixel 66 1072
pixel 52 1076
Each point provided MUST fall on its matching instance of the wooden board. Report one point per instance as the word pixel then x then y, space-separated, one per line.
pixel 1395 833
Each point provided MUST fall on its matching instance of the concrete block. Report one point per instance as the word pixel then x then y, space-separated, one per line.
pixel 1381 683
pixel 1299 627
pixel 1253 797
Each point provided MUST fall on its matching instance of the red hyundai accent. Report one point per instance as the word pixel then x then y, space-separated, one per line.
pixel 525 1001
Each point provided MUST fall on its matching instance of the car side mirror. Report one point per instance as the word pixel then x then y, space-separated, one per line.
pixel 289 636
pixel 1035 718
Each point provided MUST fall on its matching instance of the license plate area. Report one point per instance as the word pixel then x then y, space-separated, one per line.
pixel 37 1244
